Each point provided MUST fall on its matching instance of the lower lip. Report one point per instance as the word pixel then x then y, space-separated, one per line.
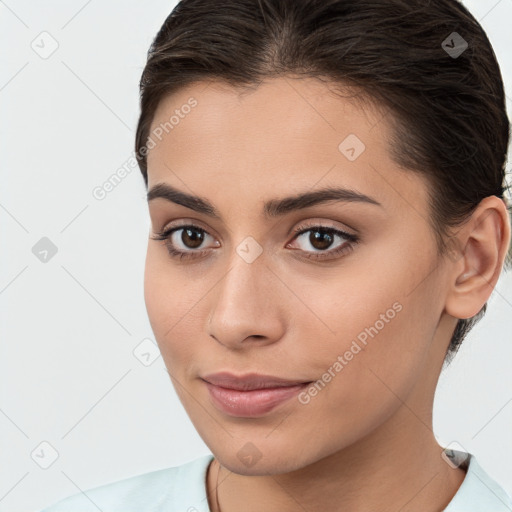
pixel 248 404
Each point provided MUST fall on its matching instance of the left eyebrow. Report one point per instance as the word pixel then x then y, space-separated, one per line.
pixel 272 208
pixel 279 207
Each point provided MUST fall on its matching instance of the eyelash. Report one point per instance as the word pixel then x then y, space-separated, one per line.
pixel 321 255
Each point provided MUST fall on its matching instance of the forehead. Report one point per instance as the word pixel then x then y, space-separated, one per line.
pixel 279 113
pixel 285 134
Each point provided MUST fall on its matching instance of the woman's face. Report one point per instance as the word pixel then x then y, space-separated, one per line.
pixel 362 320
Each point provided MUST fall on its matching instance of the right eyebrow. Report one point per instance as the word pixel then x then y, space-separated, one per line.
pixel 176 196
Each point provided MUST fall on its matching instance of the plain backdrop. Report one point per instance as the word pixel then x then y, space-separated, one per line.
pixel 76 396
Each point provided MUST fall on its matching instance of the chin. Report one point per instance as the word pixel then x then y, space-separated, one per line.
pixel 263 467
pixel 249 461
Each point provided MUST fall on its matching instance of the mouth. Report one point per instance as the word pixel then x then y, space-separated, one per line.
pixel 250 381
pixel 250 395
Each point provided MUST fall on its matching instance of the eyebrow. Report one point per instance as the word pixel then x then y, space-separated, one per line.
pixel 272 208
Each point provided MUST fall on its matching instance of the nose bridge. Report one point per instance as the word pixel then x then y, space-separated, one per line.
pixel 244 304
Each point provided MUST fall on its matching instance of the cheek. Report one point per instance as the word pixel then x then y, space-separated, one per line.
pixel 369 329
pixel 371 356
pixel 155 290
pixel 175 308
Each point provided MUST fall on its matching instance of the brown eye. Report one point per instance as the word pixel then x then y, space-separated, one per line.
pixel 321 238
pixel 184 245
pixel 190 237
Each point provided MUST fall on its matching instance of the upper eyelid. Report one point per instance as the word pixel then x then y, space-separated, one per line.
pixel 306 227
pixel 300 229
pixel 306 224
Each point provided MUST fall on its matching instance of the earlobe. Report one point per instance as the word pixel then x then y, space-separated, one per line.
pixel 485 239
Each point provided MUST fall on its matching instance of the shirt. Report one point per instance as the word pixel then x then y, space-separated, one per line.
pixel 183 489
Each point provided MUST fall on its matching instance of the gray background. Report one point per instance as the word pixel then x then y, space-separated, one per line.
pixel 70 325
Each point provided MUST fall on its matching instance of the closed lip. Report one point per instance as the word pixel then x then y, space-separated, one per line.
pixel 250 381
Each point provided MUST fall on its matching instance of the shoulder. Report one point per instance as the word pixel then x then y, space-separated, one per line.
pixel 175 489
pixel 479 492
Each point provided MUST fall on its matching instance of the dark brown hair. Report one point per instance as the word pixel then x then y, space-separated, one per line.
pixel 447 109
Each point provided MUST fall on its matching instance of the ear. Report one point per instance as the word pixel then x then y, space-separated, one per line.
pixel 482 246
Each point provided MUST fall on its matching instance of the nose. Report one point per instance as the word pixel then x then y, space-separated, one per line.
pixel 246 306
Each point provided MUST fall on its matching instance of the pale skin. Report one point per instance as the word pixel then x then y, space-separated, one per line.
pixel 365 441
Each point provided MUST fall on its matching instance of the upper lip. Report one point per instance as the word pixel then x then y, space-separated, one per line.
pixel 249 381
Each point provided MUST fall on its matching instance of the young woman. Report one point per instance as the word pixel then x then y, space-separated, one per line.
pixel 326 189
